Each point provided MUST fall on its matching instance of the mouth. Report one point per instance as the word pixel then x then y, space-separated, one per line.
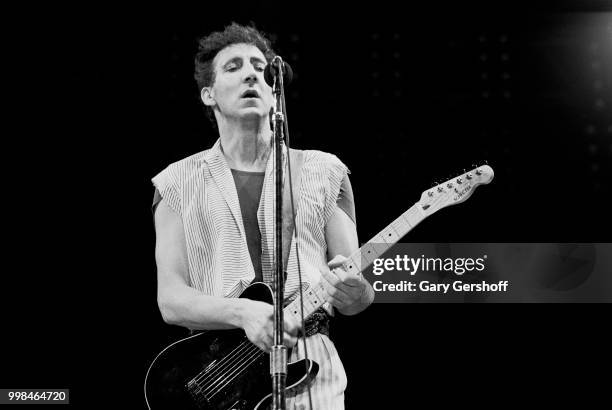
pixel 250 94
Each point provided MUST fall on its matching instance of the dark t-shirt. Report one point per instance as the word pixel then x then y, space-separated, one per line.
pixel 249 186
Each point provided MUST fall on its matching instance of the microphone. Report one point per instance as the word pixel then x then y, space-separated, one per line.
pixel 271 71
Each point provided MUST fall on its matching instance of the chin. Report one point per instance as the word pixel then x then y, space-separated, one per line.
pixel 252 114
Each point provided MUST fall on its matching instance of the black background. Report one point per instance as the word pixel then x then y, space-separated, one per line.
pixel 102 98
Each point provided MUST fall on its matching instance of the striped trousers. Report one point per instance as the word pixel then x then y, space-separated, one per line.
pixel 327 389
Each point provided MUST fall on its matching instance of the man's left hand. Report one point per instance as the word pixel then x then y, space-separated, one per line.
pixel 344 289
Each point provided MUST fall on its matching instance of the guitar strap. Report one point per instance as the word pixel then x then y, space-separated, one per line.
pixel 297 160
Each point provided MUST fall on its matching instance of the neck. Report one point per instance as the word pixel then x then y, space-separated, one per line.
pixel 246 146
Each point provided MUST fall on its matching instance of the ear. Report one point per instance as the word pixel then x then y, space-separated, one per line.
pixel 207 96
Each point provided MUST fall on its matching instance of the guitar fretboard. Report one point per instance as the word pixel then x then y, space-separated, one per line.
pixel 314 296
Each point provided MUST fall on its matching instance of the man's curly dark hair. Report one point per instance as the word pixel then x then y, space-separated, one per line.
pixel 210 45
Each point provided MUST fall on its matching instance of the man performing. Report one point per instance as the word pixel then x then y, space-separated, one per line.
pixel 214 220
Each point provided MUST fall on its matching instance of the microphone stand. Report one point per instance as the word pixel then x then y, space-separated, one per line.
pixel 278 355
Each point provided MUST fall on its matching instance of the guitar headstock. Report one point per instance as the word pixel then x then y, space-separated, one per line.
pixel 456 190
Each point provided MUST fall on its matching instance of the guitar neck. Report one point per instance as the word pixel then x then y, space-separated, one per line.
pixel 314 296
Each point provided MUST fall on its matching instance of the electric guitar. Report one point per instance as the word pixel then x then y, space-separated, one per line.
pixel 222 369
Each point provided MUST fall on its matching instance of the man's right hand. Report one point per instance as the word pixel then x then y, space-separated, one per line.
pixel 258 324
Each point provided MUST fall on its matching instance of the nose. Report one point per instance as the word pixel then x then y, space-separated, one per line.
pixel 250 76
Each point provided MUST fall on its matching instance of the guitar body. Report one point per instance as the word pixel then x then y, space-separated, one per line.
pixel 219 370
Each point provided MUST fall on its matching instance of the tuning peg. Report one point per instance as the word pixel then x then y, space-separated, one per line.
pixel 430 194
pixel 449 185
pixel 478 172
pixel 468 176
pixel 440 189
pixel 459 180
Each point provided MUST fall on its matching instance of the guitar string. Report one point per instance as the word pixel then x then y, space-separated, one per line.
pixel 255 357
pixel 217 385
pixel 237 360
pixel 204 376
pixel 238 366
pixel 203 398
pixel 204 390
